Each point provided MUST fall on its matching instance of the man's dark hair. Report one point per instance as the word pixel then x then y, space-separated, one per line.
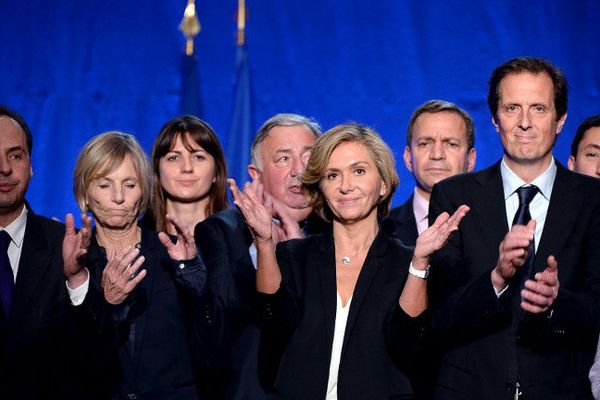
pixel 534 66
pixel 587 124
pixel 5 111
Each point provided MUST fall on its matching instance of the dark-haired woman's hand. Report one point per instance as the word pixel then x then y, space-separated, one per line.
pixel 185 247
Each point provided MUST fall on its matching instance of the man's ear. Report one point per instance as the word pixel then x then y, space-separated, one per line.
pixel 471 159
pixel 571 163
pixel 254 172
pixel 495 123
pixel 560 123
pixel 407 158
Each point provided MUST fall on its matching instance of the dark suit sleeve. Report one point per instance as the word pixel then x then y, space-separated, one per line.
pixel 462 305
pixel 224 308
pixel 279 312
pixel 202 320
pixel 575 315
pixel 405 335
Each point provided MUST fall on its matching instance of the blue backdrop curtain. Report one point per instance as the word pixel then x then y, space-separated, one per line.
pixel 75 69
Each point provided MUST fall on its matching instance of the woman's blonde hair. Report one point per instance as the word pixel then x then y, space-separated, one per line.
pixel 102 155
pixel 321 153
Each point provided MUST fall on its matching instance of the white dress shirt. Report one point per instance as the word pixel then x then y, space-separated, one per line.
pixel 421 211
pixel 16 230
pixel 538 207
pixel 341 319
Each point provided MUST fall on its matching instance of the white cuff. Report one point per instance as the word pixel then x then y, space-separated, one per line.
pixel 499 292
pixel 77 295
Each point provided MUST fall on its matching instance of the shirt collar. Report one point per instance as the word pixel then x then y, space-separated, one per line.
pixel 16 229
pixel 511 182
pixel 420 206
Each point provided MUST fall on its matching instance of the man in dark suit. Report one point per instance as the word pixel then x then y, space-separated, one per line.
pixel 280 151
pixel 516 291
pixel 440 142
pixel 38 357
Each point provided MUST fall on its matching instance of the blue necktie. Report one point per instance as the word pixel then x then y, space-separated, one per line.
pixel 522 217
pixel 7 279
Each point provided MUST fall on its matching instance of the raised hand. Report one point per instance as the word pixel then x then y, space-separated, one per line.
pixel 185 247
pixel 436 236
pixel 74 248
pixel 122 274
pixel 513 252
pixel 257 216
pixel 287 228
pixel 540 293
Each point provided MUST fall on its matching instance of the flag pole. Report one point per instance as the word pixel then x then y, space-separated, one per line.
pixel 241 23
pixel 190 27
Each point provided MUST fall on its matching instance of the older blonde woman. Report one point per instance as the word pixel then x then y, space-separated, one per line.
pixel 335 297
pixel 151 286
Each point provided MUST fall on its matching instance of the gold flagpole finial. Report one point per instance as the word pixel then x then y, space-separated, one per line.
pixel 189 26
pixel 241 23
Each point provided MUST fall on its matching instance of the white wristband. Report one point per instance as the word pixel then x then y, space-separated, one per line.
pixel 419 273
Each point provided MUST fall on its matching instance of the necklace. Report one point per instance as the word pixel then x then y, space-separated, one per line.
pixel 346 259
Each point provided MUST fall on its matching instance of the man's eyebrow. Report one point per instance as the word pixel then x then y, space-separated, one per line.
pixel 592 145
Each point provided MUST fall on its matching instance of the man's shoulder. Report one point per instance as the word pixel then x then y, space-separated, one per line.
pixel 396 212
pixel 225 225
pixel 44 224
pixel 231 218
pixel 588 182
pixel 461 184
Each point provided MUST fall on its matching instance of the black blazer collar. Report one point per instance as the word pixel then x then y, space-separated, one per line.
pixel 326 264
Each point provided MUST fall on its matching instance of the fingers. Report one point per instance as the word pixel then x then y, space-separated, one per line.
pixel 183 231
pixel 235 191
pixel 132 273
pixel 69 224
pixel 122 274
pixel 552 264
pixel 86 230
pixel 242 199
pixel 120 263
pixel 519 236
pixel 166 241
pixel 258 188
pixel 540 293
pixel 459 215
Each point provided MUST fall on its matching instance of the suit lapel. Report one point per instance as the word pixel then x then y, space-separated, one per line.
pixel 367 274
pixel 35 260
pixel 408 223
pixel 565 200
pixel 489 207
pixel 324 259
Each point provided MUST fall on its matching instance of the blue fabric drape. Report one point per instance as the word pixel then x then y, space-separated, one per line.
pixel 75 69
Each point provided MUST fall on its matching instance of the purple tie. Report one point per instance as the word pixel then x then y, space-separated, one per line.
pixel 522 217
pixel 7 280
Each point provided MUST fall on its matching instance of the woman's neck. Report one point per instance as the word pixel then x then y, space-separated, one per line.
pixel 117 239
pixel 355 236
pixel 188 214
